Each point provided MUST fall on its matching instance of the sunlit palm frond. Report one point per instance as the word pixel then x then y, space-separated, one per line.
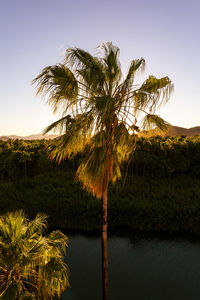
pixel 59 239
pixel 153 93
pixel 76 136
pixel 62 125
pixel 152 121
pixel 123 142
pixel 31 263
pixel 92 169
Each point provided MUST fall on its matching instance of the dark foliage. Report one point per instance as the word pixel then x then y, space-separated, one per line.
pixel 161 193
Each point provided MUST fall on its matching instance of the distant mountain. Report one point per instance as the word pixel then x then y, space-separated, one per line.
pixel 29 137
pixel 176 130
pixel 173 131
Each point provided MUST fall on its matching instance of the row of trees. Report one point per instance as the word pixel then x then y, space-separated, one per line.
pixel 159 157
pixel 155 157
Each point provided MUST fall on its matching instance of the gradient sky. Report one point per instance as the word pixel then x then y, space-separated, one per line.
pixel 34 33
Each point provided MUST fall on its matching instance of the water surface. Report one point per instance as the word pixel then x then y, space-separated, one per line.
pixel 141 267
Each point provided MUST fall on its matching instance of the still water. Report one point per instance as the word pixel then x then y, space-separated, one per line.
pixel 141 267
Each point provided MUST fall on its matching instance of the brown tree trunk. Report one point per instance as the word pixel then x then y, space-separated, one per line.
pixel 104 243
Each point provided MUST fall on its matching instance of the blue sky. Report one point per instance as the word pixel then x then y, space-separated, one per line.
pixel 34 33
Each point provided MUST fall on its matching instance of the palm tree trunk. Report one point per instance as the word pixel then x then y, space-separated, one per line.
pixel 104 243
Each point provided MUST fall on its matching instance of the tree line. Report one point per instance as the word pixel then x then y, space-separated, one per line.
pixel 154 157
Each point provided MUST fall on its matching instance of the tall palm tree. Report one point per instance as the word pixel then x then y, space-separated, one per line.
pixel 101 113
pixel 31 264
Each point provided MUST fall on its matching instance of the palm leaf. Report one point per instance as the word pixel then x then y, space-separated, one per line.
pixel 89 69
pixel 31 264
pixel 152 121
pixel 153 93
pixel 136 66
pixel 60 84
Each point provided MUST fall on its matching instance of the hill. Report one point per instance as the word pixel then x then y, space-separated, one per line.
pixel 173 131
pixel 29 137
pixel 176 130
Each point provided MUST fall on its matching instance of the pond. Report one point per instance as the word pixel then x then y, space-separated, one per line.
pixel 141 267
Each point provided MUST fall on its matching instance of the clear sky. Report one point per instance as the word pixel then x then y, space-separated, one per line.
pixel 34 33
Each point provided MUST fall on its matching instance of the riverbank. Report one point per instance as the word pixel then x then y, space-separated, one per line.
pixel 161 205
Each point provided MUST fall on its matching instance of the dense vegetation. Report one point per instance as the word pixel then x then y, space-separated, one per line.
pixel 161 192
pixel 154 157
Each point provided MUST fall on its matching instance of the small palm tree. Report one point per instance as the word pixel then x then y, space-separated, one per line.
pixel 31 264
pixel 101 114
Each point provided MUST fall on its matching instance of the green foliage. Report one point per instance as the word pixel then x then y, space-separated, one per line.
pixel 31 263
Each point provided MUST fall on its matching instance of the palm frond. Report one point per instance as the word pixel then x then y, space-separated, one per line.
pixel 31 264
pixel 60 84
pixel 60 126
pixel 76 136
pixel 152 121
pixel 112 65
pixel 88 68
pixel 136 66
pixel 153 93
pixel 105 108
pixel 91 170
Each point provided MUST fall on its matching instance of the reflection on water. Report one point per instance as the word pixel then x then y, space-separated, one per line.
pixel 141 267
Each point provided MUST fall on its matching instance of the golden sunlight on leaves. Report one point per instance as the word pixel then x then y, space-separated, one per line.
pixel 31 262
